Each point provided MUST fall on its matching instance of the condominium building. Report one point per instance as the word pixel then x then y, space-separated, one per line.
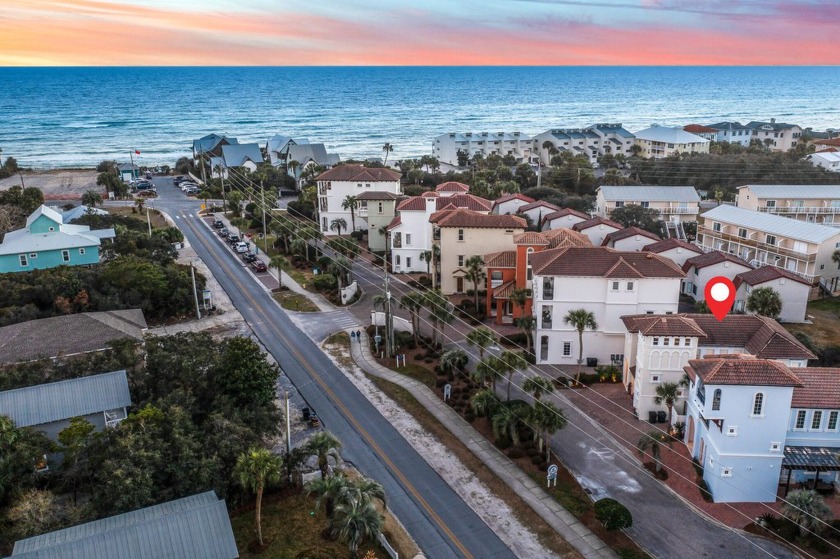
pixel 763 238
pixel 816 203
pixel 447 147
pixel 674 203
pixel 732 133
pixel 658 142
pixel 591 142
pixel 777 136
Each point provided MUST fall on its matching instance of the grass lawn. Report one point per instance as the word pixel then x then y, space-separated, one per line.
pixel 157 219
pixel 294 302
pixel 825 330
pixel 290 531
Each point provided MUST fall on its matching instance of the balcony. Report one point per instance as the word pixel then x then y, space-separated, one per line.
pixel 800 210
pixel 758 263
pixel 809 257
pixel 362 212
pixel 677 210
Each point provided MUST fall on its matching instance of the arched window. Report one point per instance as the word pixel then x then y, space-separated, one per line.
pixel 758 404
pixel 716 400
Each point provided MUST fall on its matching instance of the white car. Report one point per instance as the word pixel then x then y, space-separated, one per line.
pixel 241 247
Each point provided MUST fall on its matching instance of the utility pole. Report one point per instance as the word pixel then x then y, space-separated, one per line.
pixel 149 221
pixel 195 293
pixel 203 171
pixel 20 174
pixel 389 320
pixel 265 231
pixel 288 425
pixel 224 201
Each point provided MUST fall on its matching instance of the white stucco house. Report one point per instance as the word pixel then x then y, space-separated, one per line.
pixel 792 289
pixel 828 160
pixel 565 218
pixel 630 238
pixel 676 249
pixel 597 228
pixel 674 203
pixel 335 185
pixel 510 203
pixel 700 269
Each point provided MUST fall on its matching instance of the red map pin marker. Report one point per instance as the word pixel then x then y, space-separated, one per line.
pixel 720 294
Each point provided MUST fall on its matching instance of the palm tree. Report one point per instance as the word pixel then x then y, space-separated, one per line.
pixel 546 419
pixel 254 469
pixel 300 247
pixel 475 273
pixel 356 522
pixel 426 256
pixel 234 201
pixel 484 402
pixel 808 510
pixel 508 419
pixel 337 225
pixel 340 268
pixel 435 262
pixel 453 360
pixel 580 320
pixel 765 301
pixel 489 368
pixel 293 167
pixel 364 490
pixel 667 393
pixel 91 198
pixel 323 445
pixel 538 386
pixel 440 311
pixel 283 227
pixel 482 338
pixel 519 297
pixel 413 303
pixel 140 203
pixel 330 490
pixel 387 148
pixel 281 264
pixel 511 362
pixel 349 203
pixel 649 444
pixel 527 324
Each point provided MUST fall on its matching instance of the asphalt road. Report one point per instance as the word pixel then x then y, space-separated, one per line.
pixel 438 519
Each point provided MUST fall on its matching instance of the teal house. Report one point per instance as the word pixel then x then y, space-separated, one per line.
pixel 47 242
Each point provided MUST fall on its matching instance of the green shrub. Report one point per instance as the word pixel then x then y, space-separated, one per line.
pixel 515 453
pixel 325 282
pixel 358 235
pixel 537 459
pixel 704 490
pixel 518 339
pixel 425 281
pixel 612 514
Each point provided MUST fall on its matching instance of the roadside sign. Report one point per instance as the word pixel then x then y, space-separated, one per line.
pixel 203 207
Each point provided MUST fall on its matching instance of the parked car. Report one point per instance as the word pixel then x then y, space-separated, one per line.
pixel 149 176
pixel 249 257
pixel 233 239
pixel 259 266
pixel 240 247
pixel 143 185
pixel 151 193
pixel 179 179
pixel 185 185
pixel 191 191
pixel 218 224
pixel 223 232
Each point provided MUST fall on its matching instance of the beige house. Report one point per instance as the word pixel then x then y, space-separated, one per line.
pixel 462 233
pixel 674 203
pixel 661 141
pixel 335 185
pixel 766 239
pixel 776 136
pixel 816 203
pixel 377 209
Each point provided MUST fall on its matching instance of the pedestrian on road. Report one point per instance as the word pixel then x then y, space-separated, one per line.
pixel 358 335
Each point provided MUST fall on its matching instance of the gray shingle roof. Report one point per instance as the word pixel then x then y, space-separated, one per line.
pixel 196 527
pixel 773 224
pixel 45 403
pixel 68 334
pixel 802 191
pixel 650 193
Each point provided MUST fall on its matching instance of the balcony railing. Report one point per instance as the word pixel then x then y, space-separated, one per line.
pixel 754 243
pixel 800 209
pixel 758 263
pixel 679 210
pixel 496 283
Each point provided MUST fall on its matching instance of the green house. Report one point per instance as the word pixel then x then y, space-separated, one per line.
pixel 47 242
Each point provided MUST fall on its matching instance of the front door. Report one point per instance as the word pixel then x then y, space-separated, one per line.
pixel 459 285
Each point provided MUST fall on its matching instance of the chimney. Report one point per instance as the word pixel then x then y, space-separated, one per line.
pixel 772 121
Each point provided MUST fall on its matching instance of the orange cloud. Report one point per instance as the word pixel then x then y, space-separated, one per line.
pixel 104 33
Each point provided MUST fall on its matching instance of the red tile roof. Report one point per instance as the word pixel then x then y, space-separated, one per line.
pixel 538 204
pixel 663 325
pixel 743 370
pixel 514 196
pixel 566 237
pixel 563 212
pixel 829 142
pixel 602 262
pixel 530 238
pixel 415 203
pixel 430 194
pixel 452 186
pixel 359 173
pixel 669 243
pixel 765 274
pixel 594 221
pixel 504 259
pixel 699 128
pixel 712 258
pixel 394 222
pixel 820 388
pixel 462 217
pixel 468 201
pixel 626 233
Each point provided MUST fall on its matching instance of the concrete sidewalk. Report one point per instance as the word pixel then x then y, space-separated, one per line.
pixel 562 521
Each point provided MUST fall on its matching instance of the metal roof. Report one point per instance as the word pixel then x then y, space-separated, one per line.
pixel 811 458
pixel 45 211
pixel 670 135
pixel 81 211
pixel 803 191
pixel 774 224
pixel 45 403
pixel 21 241
pixel 196 527
pixel 237 154
pixel 650 193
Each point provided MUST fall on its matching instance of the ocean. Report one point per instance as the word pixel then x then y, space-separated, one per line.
pixel 77 117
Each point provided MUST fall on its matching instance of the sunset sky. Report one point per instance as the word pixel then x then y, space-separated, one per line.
pixel 421 32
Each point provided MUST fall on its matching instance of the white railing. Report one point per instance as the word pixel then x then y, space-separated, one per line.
pixel 800 209
pixel 758 263
pixel 678 210
pixel 496 283
pixel 387 547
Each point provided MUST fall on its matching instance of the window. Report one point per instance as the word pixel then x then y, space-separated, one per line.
pixel 380 207
pixel 775 447
pixel 619 204
pixel 701 391
pixel 716 400
pixel 655 378
pixel 732 432
pixel 460 260
pixel 816 420
pixel 359 185
pixel 407 239
pixel 460 234
pixel 52 229
pixel 716 227
pixel 23 261
pixel 81 251
pixel 367 185
pixel 686 341
pixel 832 421
pixel 398 259
pixel 617 358
pixel 615 286
pixel 770 240
pixel 65 255
pixel 655 341
pixel 547 311
pixel 408 262
pixel 726 472
pixel 644 204
pixel 758 405
pixel 666 341
pixel 33 256
pixel 800 420
pixel 567 349
pixel 742 232
pixel 630 286
pixel 543 348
